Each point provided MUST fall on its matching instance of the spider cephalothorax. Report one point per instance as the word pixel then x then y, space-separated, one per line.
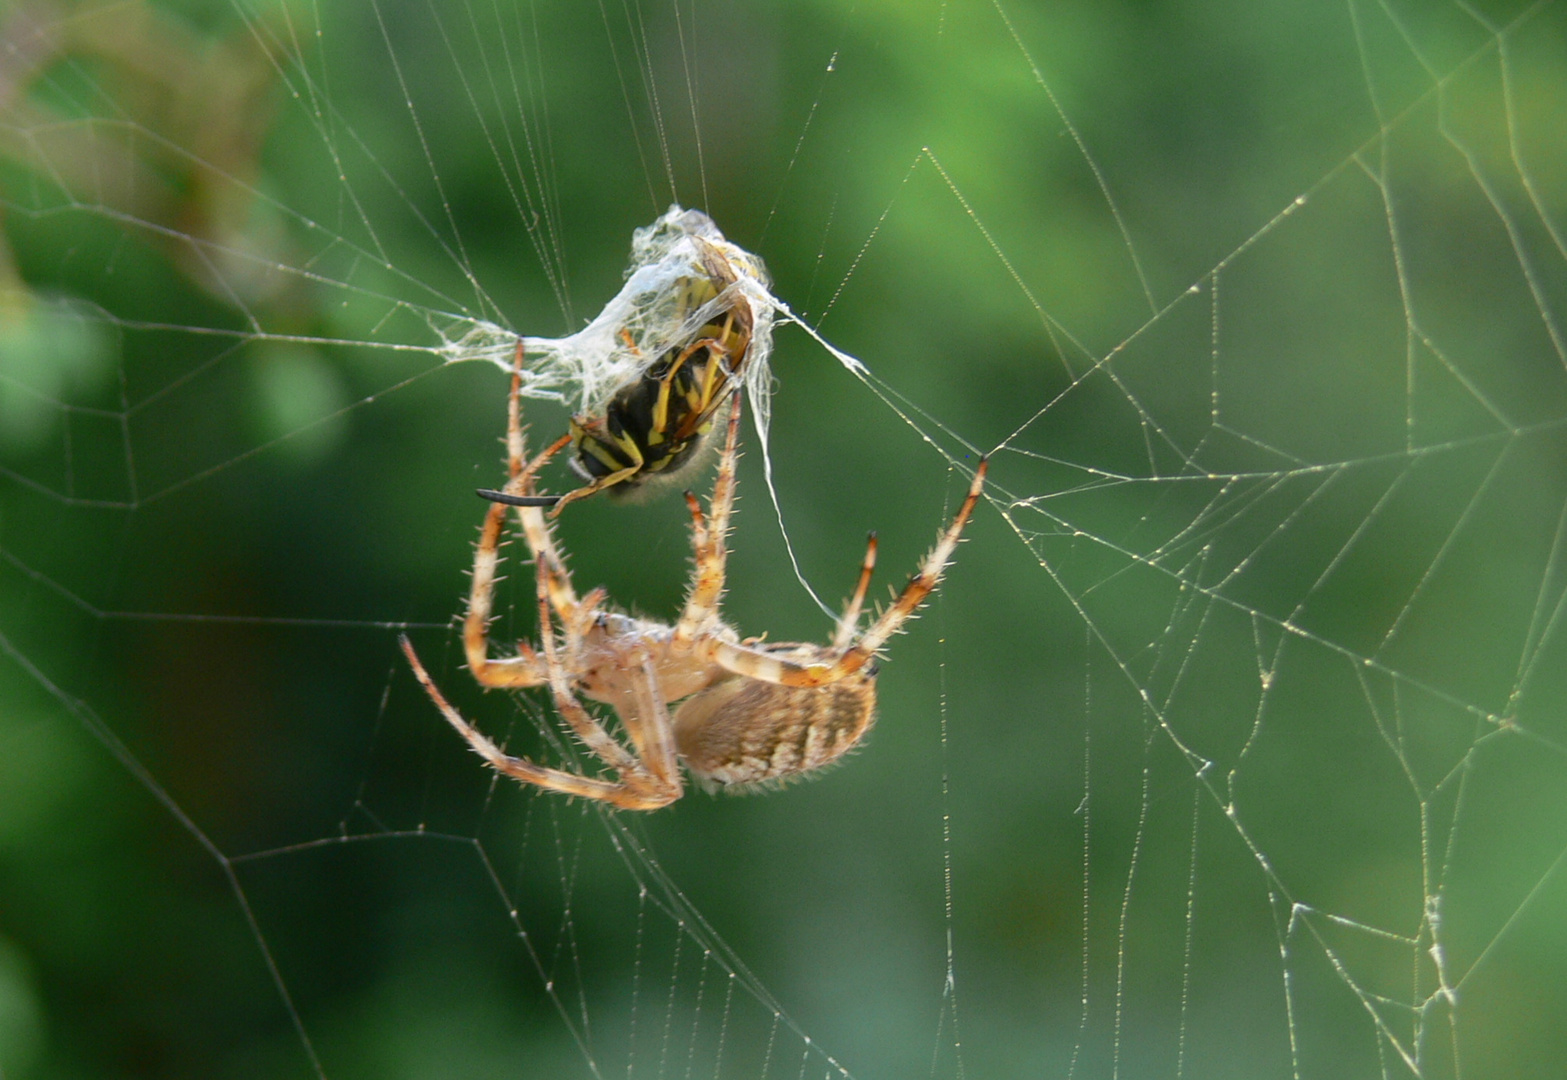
pixel 732 711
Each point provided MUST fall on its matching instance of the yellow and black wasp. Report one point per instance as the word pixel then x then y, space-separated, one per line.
pixel 654 426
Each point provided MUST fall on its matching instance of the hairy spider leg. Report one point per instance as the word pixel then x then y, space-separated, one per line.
pixel 708 535
pixel 849 622
pixel 655 739
pixel 755 663
pixel 658 780
pixel 524 669
pixel 640 786
pixel 521 768
pixel 562 596
pixel 517 671
pixel 575 615
pixel 519 488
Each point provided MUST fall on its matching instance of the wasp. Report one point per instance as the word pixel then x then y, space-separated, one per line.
pixel 654 426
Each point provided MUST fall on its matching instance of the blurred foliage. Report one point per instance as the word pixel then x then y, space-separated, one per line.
pixel 1278 363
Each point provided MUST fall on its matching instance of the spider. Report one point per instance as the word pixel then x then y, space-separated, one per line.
pixel 734 712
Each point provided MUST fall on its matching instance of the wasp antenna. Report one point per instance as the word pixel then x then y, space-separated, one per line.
pixel 517 500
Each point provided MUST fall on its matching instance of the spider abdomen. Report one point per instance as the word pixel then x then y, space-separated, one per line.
pixel 743 731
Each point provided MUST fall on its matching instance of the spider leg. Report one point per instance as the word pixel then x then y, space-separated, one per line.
pixel 650 776
pixel 585 724
pixel 523 480
pixel 520 768
pixel 770 668
pixel 535 527
pixel 709 550
pixel 850 620
pixel 516 671
pixel 524 669
pixel 928 576
pixel 652 732
pixel 539 532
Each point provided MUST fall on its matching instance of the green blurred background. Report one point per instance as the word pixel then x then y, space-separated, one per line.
pixel 1232 746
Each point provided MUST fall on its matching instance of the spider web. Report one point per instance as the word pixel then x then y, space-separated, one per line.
pixel 1232 744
